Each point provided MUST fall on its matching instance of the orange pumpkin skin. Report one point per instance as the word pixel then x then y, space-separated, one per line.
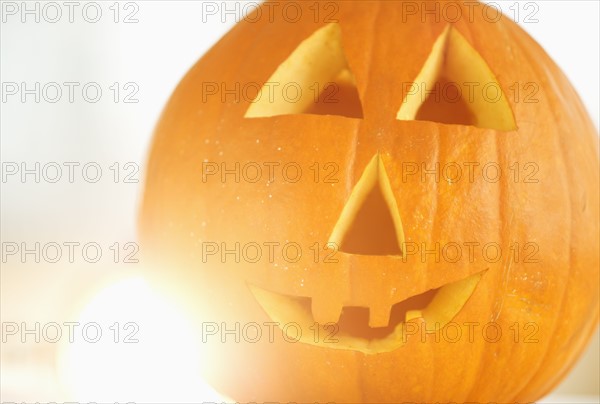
pixel 559 214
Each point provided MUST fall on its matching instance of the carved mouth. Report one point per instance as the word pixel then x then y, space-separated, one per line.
pixel 436 307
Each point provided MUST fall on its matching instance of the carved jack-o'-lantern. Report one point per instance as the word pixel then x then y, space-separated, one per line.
pixel 381 208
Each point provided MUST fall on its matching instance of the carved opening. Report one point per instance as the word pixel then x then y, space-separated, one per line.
pixel 370 223
pixel 314 79
pixel 456 86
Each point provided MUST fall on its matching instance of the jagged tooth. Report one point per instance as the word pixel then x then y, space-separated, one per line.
pixel 325 311
pixel 379 317
pixel 413 314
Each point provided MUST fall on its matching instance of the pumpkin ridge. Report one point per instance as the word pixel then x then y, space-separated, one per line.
pixel 435 225
pixel 557 145
pixel 504 234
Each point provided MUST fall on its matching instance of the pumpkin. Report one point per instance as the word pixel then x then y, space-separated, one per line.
pixel 380 207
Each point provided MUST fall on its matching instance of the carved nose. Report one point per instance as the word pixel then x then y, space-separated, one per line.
pixel 370 222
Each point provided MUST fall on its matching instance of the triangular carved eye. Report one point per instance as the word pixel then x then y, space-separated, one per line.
pixel 370 223
pixel 456 86
pixel 314 79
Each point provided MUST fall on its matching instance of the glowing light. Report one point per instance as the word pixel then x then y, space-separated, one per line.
pixel 162 366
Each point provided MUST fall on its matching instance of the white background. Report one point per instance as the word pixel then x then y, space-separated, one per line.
pixel 154 53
